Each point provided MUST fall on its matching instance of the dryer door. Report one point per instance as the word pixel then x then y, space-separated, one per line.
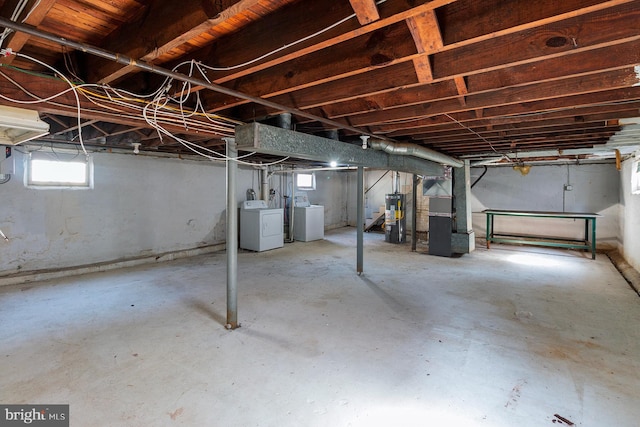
pixel 272 225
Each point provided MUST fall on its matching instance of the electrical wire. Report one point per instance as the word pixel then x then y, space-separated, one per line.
pixel 162 113
pixel 162 109
pixel 160 98
pixel 280 49
pixel 14 17
pixel 75 94
pixel 475 133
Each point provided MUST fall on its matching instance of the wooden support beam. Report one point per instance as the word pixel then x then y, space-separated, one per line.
pixel 422 66
pixel 426 35
pixel 450 132
pixel 482 57
pixel 301 19
pixel 511 113
pixel 590 85
pixel 440 124
pixel 426 32
pixel 581 63
pixel 461 86
pixel 165 28
pixel 376 97
pixel 366 11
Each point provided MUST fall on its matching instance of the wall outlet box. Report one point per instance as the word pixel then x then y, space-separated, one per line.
pixel 568 187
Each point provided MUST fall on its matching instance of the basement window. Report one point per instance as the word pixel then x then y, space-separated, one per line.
pixel 56 171
pixel 306 181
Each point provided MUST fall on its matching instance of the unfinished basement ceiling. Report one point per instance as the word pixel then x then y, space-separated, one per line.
pixel 470 78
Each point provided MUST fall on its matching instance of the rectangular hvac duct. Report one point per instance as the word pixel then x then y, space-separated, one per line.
pixel 283 142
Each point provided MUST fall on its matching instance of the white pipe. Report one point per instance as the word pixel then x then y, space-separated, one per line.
pixel 337 168
pixel 486 161
pixel 406 149
pixel 264 184
pixel 292 211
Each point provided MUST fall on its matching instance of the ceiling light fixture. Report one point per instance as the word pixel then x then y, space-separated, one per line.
pixel 18 125
pixel 522 168
pixel 364 139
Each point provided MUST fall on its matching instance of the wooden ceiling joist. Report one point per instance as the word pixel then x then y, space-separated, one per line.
pixel 448 74
pixel 366 11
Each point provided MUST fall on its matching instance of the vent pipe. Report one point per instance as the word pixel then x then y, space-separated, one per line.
pixel 405 149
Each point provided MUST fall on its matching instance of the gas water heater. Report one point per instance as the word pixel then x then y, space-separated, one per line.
pixel 395 222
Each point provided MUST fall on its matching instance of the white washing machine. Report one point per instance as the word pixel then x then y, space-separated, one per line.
pixel 261 227
pixel 308 219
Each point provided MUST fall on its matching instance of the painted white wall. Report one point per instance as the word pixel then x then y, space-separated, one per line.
pixel 139 206
pixel 332 193
pixel 595 189
pixel 629 218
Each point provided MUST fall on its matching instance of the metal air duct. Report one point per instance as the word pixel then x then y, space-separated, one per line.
pixel 406 149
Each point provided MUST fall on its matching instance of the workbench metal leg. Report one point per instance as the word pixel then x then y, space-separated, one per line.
pixel 489 231
pixel 593 238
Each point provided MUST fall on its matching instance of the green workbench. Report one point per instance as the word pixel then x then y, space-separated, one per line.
pixel 588 243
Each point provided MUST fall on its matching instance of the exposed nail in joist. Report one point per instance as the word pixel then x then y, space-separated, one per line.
pixel 366 11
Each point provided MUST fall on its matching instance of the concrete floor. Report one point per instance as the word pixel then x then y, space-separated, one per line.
pixel 510 336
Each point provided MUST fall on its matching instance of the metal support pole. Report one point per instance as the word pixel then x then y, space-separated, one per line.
pixel 232 236
pixel 360 219
pixel 292 211
pixel 414 213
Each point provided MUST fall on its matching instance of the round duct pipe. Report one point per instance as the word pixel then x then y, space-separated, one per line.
pixel 284 121
pixel 406 149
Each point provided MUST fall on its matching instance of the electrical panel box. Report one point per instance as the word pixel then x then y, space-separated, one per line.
pixel 7 162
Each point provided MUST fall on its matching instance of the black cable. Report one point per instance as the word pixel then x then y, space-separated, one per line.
pixel 480 177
